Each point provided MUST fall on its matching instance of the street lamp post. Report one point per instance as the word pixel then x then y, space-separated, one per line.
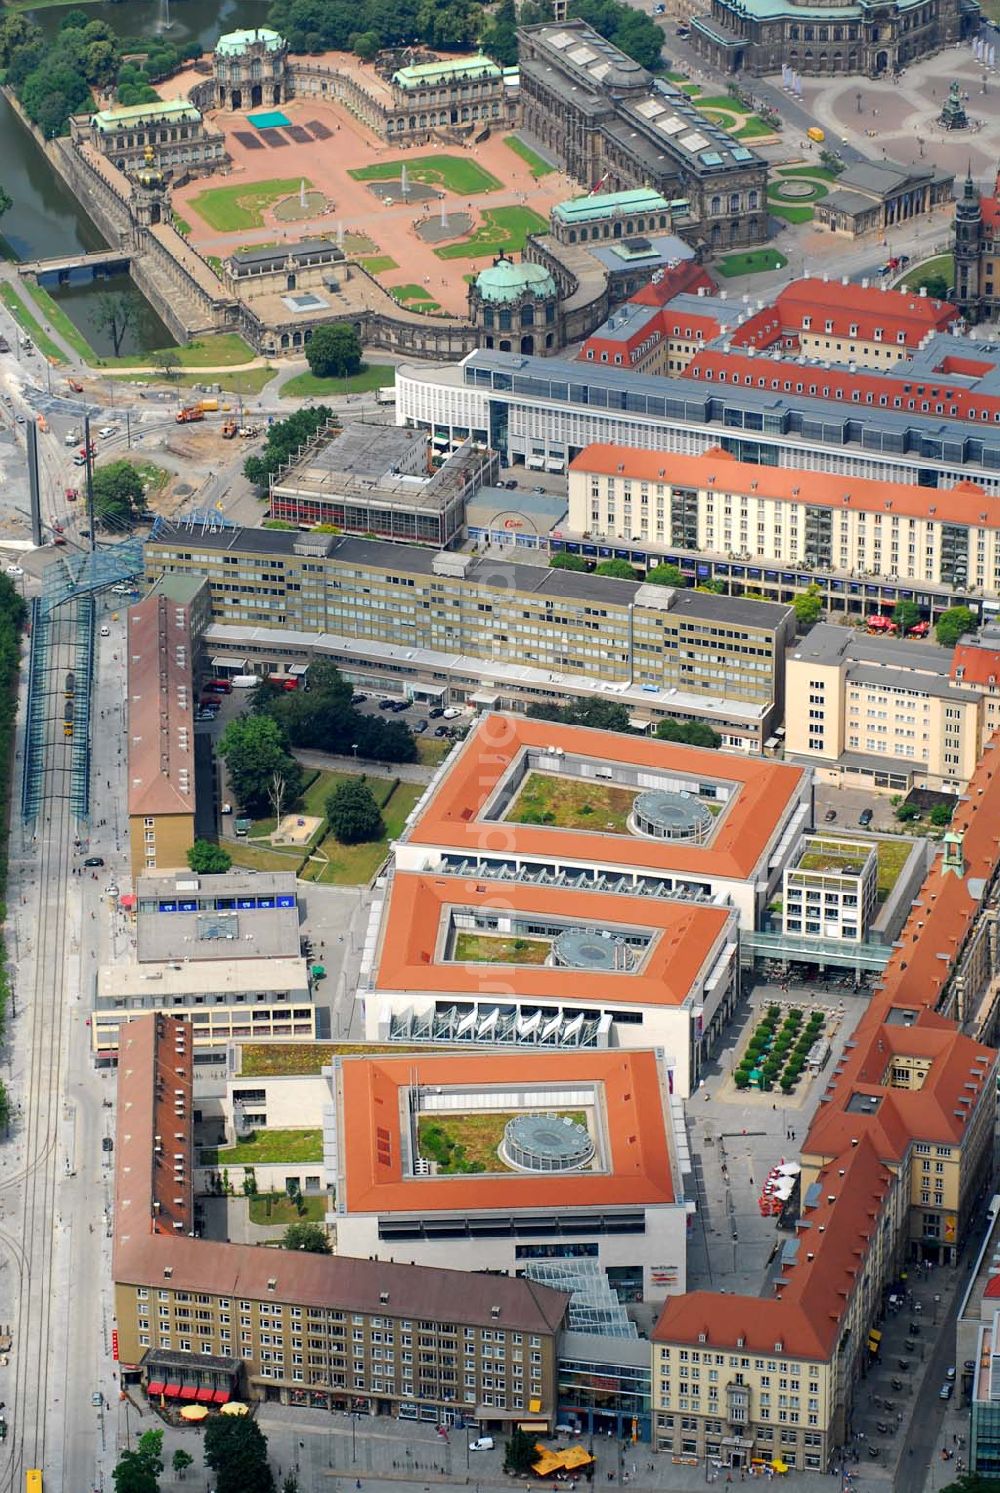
pixel 354 749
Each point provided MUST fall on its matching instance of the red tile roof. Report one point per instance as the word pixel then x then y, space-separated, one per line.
pixel 154 1177
pixel 845 306
pixel 154 1100
pixel 962 1075
pixel 451 819
pixel 977 665
pixel 803 1319
pixel 688 276
pixel 160 710
pixel 685 935
pixel 921 393
pixel 718 471
pixel 635 1118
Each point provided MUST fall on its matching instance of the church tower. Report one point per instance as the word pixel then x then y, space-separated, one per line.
pixel 968 250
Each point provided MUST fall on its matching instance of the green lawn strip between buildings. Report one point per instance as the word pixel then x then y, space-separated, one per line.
pixel 539 167
pixel 220 350
pixel 375 376
pixel 355 865
pixel 267 1146
pixel 30 325
pixel 751 262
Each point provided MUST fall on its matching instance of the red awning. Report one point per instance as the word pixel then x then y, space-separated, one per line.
pixel 221 1396
pixel 127 899
pixel 205 1396
pixel 172 1389
pixel 189 1392
pixel 154 1387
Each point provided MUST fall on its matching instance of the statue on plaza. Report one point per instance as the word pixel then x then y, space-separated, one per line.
pixel 953 115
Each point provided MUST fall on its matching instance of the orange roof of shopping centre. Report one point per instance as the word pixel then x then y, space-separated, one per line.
pixel 411 958
pixel 632 1124
pixel 452 817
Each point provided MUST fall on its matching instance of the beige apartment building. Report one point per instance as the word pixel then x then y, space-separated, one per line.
pixel 743 1378
pixel 203 1321
pixel 880 713
pixel 494 632
pixel 715 506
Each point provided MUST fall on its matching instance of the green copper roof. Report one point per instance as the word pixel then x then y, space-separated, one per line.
pixel 235 42
pixel 175 110
pixel 506 281
pixel 609 204
pixel 428 74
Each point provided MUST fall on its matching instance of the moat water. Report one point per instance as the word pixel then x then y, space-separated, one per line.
pixel 46 218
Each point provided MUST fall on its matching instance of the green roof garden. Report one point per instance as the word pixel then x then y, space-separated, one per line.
pixel 430 74
pixel 609 205
pixel 842 858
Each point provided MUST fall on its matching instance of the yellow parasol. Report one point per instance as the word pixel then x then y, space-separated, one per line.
pixel 194 1412
pixel 235 1408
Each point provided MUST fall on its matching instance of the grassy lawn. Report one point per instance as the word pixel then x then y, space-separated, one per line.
pixel 571 804
pixel 410 292
pixel 378 264
pixel 250 381
pixel 267 1145
pixel 534 160
pixel 722 118
pixel 503 228
pixel 821 173
pixel 256 859
pixel 723 101
pixel 755 128
pixel 789 214
pixel 155 477
pixel 221 350
pixel 474 1137
pixel 318 787
pixel 751 262
pixel 278 1208
pixel 28 323
pixel 454 173
pixel 433 749
pixel 892 857
pixel 227 209
pixel 57 318
pixel 481 948
pixel 375 376
pixel 941 264
pixel 355 865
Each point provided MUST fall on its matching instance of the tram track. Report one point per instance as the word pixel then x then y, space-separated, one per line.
pixel 30 1242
